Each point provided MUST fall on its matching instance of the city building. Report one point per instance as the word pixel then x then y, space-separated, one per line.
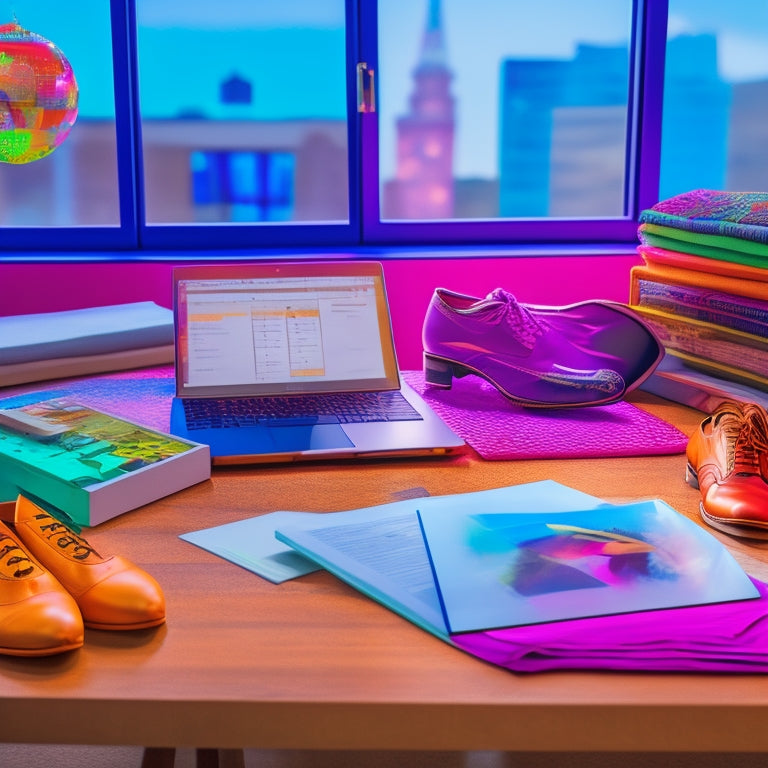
pixel 423 183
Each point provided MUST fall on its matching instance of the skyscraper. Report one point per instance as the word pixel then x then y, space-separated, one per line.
pixel 563 132
pixel 697 108
pixel 423 183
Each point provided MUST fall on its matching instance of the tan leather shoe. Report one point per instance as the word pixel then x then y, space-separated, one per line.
pixel 112 592
pixel 37 616
pixel 728 463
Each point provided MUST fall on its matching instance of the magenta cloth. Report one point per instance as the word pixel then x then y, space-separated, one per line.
pixel 499 429
pixel 727 637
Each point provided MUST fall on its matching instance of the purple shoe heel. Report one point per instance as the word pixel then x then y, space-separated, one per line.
pixel 440 373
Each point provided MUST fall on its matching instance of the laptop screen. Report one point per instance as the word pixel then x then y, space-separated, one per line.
pixel 271 328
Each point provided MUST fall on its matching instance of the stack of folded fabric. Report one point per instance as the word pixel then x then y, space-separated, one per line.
pixel 703 287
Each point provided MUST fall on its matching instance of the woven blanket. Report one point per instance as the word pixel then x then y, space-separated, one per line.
pixel 742 215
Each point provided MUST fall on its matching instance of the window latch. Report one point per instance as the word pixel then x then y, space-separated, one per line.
pixel 366 88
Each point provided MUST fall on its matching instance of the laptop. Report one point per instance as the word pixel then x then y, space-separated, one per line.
pixel 294 360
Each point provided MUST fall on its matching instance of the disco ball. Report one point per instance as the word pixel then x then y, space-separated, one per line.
pixel 38 95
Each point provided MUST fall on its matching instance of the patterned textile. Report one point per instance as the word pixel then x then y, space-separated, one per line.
pixel 737 250
pixel 734 214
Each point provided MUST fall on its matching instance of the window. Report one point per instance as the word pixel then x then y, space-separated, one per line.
pixel 714 132
pixel 76 186
pixel 239 124
pixel 488 110
pixel 244 117
pixel 243 186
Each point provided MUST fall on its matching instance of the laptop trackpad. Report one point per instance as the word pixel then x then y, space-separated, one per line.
pixel 316 437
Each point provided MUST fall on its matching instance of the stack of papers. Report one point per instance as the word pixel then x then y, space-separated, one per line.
pixel 531 577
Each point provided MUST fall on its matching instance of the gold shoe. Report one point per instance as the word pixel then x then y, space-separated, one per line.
pixel 111 592
pixel 37 616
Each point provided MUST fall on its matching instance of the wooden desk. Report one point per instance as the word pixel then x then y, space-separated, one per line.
pixel 311 664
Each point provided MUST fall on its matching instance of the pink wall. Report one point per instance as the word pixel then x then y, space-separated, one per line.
pixel 32 287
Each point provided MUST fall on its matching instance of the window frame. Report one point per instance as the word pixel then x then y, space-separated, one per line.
pixel 124 235
pixel 259 235
pixel 134 238
pixel 648 34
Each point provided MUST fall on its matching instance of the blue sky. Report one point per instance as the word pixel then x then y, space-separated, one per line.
pixel 284 66
pixel 478 36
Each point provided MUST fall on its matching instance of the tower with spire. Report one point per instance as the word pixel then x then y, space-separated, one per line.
pixel 423 183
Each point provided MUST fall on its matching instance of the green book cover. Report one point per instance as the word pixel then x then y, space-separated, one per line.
pixel 77 467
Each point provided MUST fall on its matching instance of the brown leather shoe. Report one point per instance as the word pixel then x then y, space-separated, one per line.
pixel 112 592
pixel 728 463
pixel 37 616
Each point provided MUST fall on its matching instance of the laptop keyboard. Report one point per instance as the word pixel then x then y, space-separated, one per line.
pixel 298 410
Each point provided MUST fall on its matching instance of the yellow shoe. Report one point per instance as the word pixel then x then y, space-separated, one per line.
pixel 111 592
pixel 37 616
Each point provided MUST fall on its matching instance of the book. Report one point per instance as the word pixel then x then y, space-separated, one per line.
pixel 674 380
pixel 82 365
pixel 497 569
pixel 737 375
pixel 49 345
pixel 669 274
pixel 84 332
pixel 702 270
pixel 744 353
pixel 86 465
pixel 699 303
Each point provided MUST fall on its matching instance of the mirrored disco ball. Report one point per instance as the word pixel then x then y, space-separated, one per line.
pixel 38 95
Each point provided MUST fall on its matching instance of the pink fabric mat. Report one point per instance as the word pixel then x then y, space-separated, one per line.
pixel 498 429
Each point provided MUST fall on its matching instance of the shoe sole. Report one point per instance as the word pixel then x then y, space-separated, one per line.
pixel 34 652
pixel 744 530
pixel 439 372
pixel 124 627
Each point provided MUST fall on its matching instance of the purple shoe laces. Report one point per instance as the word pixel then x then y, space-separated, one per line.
pixel 500 306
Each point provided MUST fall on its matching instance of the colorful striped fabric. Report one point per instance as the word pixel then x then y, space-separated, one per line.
pixel 712 246
pixel 742 215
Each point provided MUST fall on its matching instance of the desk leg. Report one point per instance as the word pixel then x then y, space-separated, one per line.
pixel 165 757
pixel 220 758
pixel 158 757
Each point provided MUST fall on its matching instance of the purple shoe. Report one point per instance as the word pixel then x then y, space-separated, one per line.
pixel 584 354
